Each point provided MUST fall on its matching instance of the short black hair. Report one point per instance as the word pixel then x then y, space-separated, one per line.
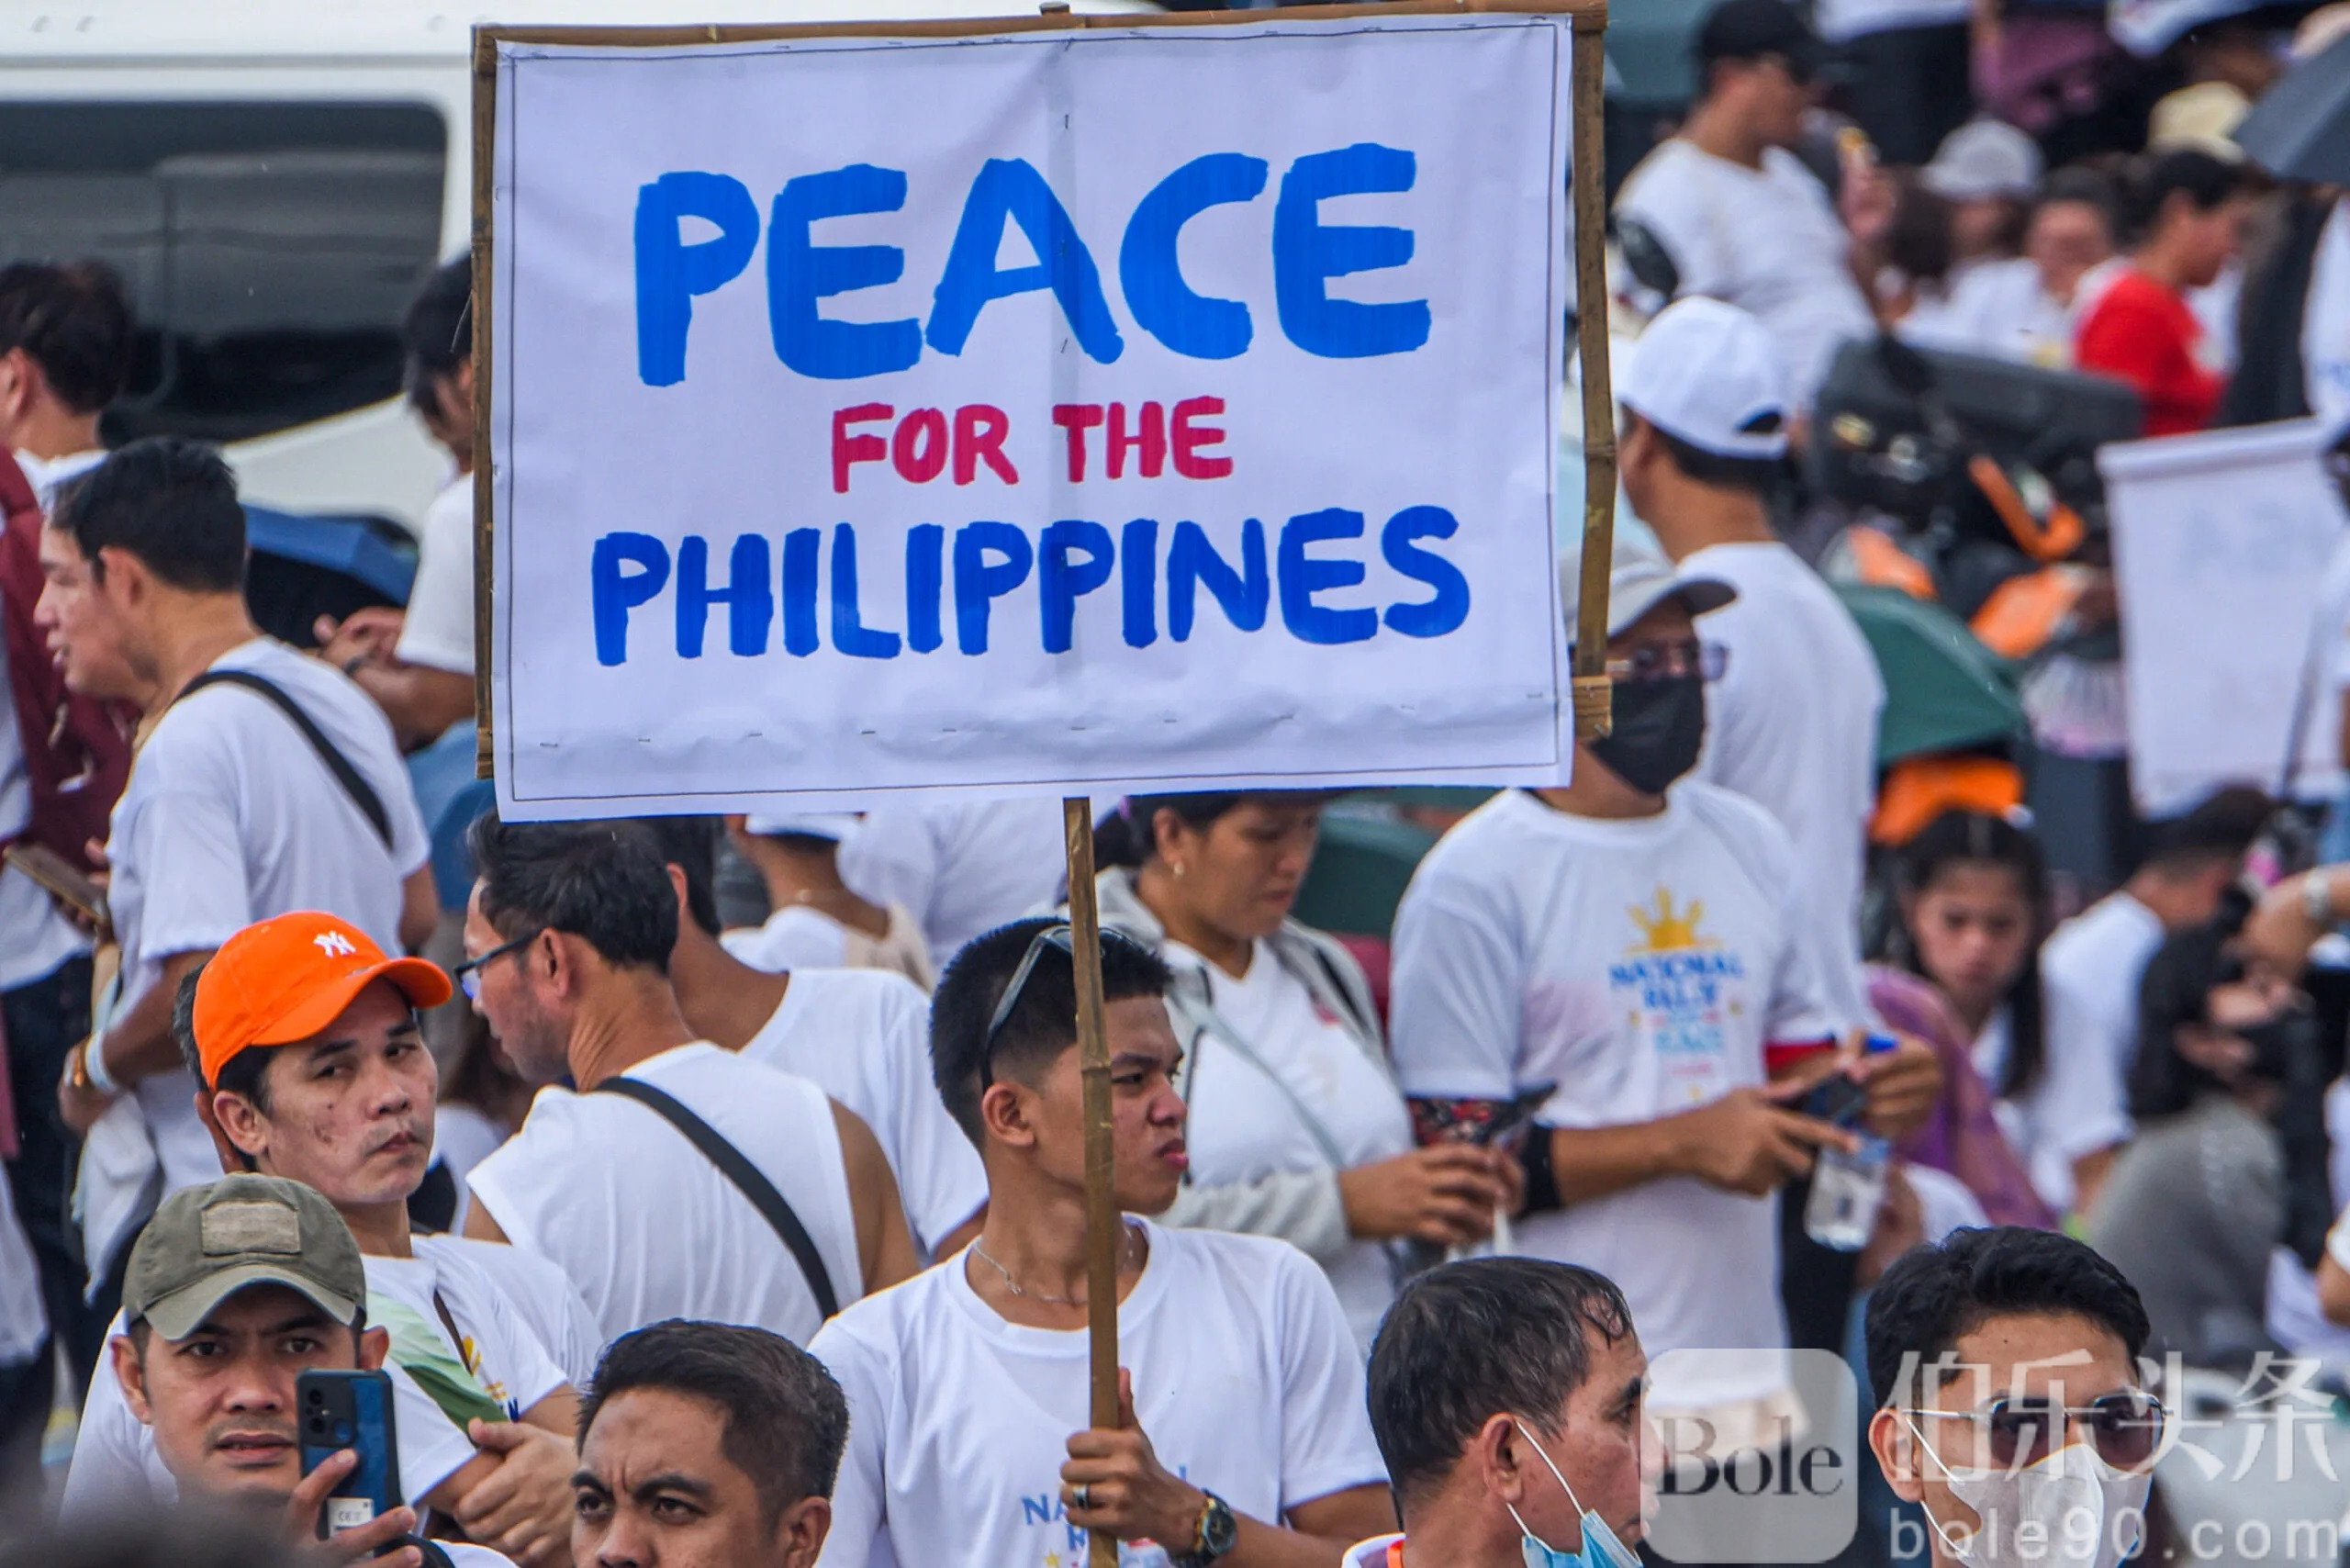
pixel 75 321
pixel 1471 1341
pixel 690 843
pixel 171 502
pixel 2203 179
pixel 245 1074
pixel 1936 1294
pixel 2085 186
pixel 2220 828
pixel 787 1419
pixel 604 882
pixel 1041 1027
pixel 437 334
pixel 1757 477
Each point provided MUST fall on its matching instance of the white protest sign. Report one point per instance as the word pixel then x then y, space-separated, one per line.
pixel 2220 545
pixel 1045 412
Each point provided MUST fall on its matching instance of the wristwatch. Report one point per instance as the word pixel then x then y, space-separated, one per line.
pixel 1217 1533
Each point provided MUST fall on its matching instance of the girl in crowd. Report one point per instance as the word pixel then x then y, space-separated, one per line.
pixel 2186 216
pixel 1296 1127
pixel 1972 906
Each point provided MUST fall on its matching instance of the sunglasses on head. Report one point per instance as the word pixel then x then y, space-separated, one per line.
pixel 1059 938
pixel 2125 1428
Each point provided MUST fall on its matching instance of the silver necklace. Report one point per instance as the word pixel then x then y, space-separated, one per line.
pixel 1125 1247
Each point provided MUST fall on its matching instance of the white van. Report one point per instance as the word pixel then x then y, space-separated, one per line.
pixel 273 178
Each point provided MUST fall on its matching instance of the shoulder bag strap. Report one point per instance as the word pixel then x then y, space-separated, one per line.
pixel 753 1182
pixel 362 793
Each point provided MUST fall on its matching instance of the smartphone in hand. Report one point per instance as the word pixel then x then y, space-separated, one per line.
pixel 341 1410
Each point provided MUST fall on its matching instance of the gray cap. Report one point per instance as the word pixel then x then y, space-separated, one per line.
pixel 204 1244
pixel 1639 577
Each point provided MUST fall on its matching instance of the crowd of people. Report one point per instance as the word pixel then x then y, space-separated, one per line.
pixel 712 1191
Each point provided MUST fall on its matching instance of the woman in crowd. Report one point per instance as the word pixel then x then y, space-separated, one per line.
pixel 1296 1128
pixel 2186 216
pixel 2196 1203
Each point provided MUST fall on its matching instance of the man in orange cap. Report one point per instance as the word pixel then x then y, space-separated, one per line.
pixel 303 1034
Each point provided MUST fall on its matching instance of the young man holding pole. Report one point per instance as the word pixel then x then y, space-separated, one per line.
pixel 1242 1436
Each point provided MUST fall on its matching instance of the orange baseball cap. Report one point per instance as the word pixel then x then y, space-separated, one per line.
pixel 288 978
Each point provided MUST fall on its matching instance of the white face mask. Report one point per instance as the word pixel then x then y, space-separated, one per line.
pixel 2070 1511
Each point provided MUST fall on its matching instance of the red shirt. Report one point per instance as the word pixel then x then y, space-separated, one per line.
pixel 2143 333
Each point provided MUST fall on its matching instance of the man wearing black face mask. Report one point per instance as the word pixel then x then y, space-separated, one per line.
pixel 1635 940
pixel 1706 421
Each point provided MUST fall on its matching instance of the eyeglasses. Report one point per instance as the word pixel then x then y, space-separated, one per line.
pixel 2125 1428
pixel 1057 937
pixel 468 974
pixel 1665 661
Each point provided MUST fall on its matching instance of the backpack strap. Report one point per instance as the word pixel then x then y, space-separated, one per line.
pixel 362 793
pixel 736 1168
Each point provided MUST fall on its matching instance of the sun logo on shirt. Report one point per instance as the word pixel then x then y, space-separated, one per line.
pixel 1668 930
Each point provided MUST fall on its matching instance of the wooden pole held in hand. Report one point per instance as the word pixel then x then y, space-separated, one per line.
pixel 1588 81
pixel 1103 1222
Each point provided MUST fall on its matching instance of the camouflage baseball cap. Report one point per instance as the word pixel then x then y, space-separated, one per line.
pixel 204 1244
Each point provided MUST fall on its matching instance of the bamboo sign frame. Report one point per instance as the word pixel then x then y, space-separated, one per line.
pixel 1588 20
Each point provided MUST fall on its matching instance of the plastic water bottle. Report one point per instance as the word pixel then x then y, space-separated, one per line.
pixel 1847 1190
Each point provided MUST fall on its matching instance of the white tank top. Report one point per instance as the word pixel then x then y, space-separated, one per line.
pixel 648 1228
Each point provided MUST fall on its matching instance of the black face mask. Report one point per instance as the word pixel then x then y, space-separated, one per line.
pixel 1659 729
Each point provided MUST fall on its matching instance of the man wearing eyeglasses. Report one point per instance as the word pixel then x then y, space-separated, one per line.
pixel 676 1178
pixel 2005 1367
pixel 1631 950
pixel 1242 1439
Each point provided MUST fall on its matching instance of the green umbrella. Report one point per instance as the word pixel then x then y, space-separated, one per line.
pixel 1944 689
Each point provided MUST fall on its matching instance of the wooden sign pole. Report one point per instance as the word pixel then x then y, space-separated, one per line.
pixel 1103 1221
pixel 1587 84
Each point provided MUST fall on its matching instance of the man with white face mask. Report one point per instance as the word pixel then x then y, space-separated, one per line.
pixel 2009 1403
pixel 1506 1394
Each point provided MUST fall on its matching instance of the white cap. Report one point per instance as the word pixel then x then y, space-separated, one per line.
pixel 1707 374
pixel 834 825
pixel 1983 158
pixel 1639 577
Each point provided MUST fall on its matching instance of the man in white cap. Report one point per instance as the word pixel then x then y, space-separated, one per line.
pixel 1793 720
pixel 1633 944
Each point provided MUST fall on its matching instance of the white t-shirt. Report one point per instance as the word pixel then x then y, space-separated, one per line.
pixel 863 1037
pixel 462 1138
pixel 1792 726
pixel 1244 1375
pixel 1641 967
pixel 1765 240
pixel 115 1461
pixel 542 1296
pixel 1241 1128
pixel 438 631
pixel 35 936
pixel 798 937
pixel 2089 969
pixel 647 1228
pixel 1997 308
pixel 229 818
pixel 962 868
